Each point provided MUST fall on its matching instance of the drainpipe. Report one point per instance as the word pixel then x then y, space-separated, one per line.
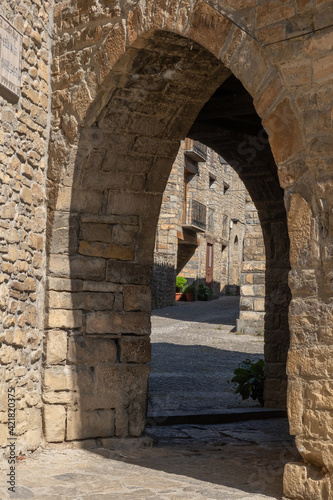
pixel 199 260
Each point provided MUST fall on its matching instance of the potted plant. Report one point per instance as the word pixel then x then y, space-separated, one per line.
pixel 189 292
pixel 204 292
pixel 250 377
pixel 180 283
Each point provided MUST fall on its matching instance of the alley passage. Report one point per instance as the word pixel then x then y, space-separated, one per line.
pixel 195 348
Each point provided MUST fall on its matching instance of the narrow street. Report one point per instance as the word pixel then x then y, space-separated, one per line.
pixel 195 349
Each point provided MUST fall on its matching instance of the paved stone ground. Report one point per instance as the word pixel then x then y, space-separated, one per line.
pixel 242 461
pixel 195 348
pixel 235 461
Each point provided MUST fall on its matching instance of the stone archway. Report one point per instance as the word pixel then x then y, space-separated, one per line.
pixel 102 301
pixel 97 87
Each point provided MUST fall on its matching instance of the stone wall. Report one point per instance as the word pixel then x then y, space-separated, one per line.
pixel 165 251
pixel 23 156
pixel 130 80
pixel 290 84
pixel 163 282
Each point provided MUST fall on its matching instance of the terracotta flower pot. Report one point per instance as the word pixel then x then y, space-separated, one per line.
pixel 189 297
pixel 178 296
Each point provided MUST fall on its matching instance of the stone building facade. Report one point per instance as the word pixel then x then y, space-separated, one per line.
pixel 108 91
pixel 24 139
pixel 201 225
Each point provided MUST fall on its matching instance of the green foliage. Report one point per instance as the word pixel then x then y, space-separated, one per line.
pixel 204 292
pixel 180 283
pixel 189 289
pixel 250 378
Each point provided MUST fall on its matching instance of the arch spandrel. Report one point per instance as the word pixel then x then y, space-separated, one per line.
pixel 245 57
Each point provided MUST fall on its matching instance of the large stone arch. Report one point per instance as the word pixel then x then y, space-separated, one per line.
pixel 99 67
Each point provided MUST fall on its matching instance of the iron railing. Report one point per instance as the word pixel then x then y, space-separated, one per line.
pixel 196 214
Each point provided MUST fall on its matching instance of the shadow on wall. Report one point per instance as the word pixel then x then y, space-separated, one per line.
pixel 184 255
pixel 277 301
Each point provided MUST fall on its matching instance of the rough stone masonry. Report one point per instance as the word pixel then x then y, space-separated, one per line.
pixel 108 90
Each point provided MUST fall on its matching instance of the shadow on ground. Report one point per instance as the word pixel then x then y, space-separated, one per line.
pixel 194 378
pixel 243 457
pixel 224 310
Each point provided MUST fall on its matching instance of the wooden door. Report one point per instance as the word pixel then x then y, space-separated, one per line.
pixel 209 264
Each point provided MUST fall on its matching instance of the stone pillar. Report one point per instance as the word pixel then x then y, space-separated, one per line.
pixel 252 291
pixel 24 135
pixel 310 358
pixel 265 294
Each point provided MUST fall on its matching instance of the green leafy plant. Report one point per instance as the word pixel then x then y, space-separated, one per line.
pixel 204 292
pixel 189 289
pixel 250 378
pixel 180 283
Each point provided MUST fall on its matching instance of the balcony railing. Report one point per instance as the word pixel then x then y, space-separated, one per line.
pixel 195 150
pixel 196 214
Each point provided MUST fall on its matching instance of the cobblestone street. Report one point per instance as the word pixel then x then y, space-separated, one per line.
pixel 195 348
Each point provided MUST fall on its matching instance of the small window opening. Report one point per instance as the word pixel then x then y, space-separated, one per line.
pixel 212 181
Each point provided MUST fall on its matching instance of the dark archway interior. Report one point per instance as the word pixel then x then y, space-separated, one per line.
pixel 229 124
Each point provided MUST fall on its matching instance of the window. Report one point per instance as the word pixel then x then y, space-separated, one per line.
pixel 212 181
pixel 225 227
pixel 210 223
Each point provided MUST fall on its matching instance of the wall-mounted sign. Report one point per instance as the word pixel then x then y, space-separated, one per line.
pixel 10 60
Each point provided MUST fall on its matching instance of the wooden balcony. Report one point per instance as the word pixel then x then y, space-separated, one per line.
pixel 195 150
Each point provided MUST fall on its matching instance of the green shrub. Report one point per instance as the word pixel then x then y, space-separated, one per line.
pixel 250 378
pixel 204 292
pixel 189 289
pixel 180 283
